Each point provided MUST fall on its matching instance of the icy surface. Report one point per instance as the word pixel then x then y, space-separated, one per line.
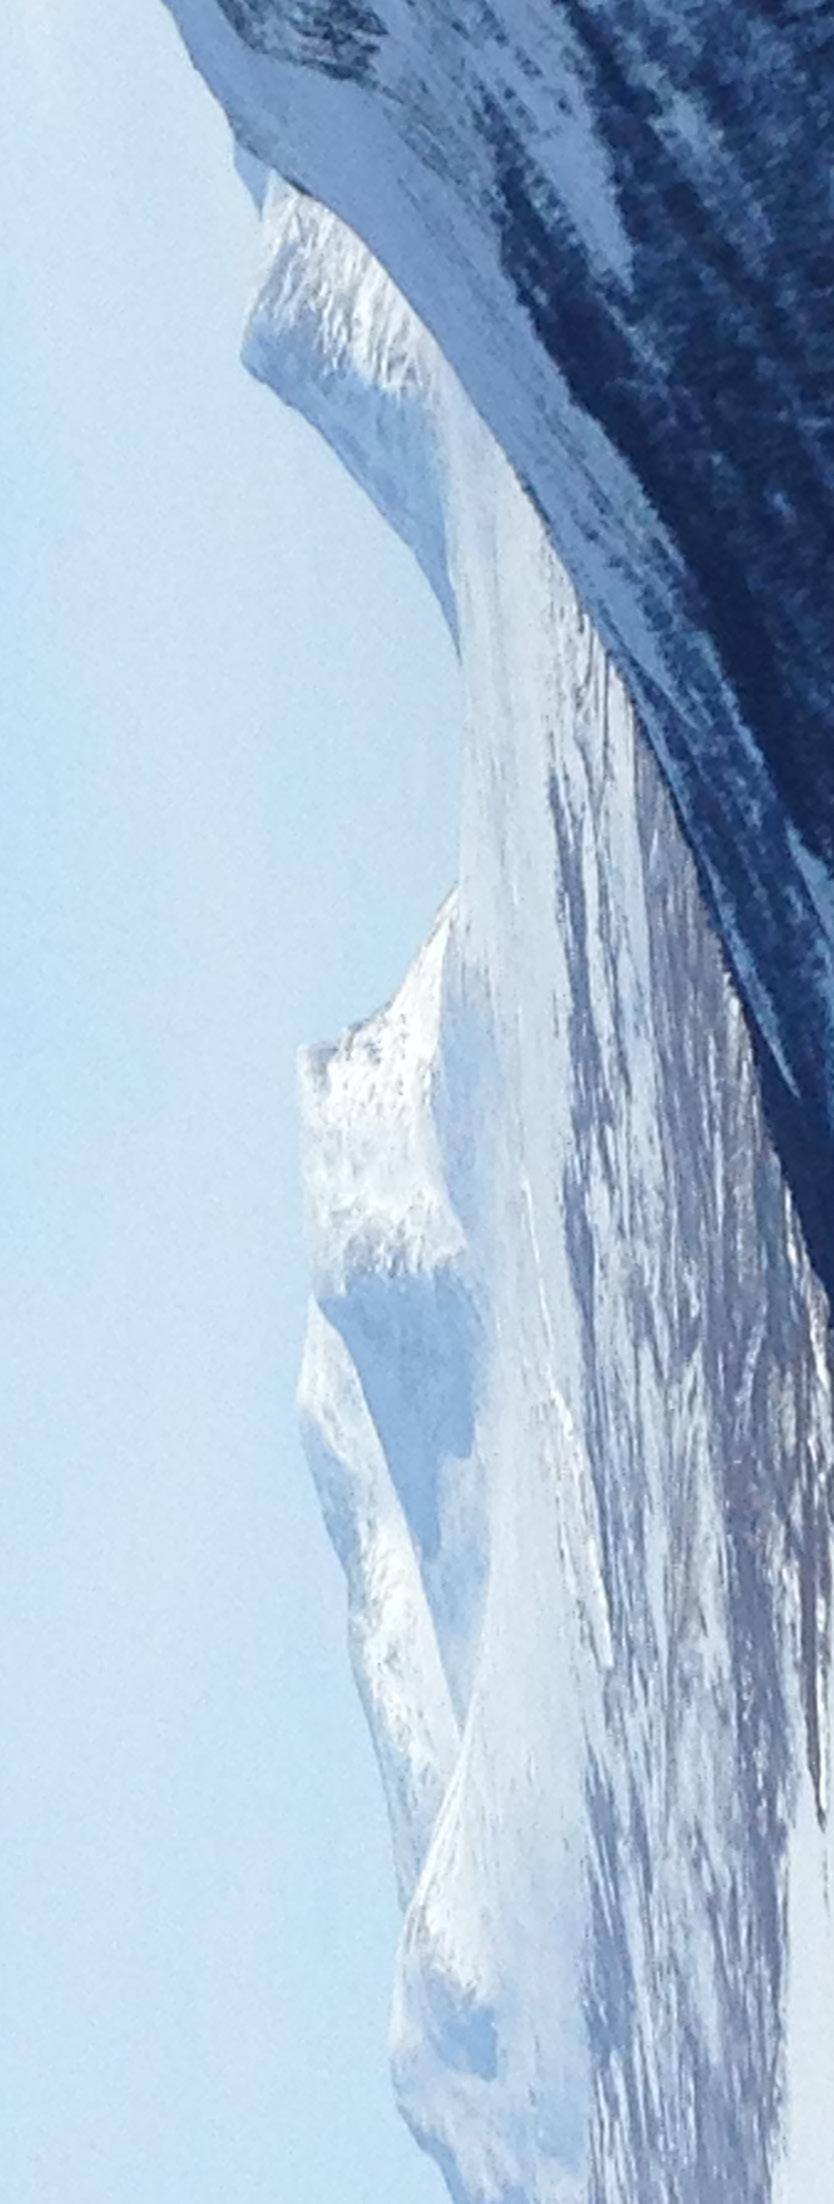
pixel 567 1391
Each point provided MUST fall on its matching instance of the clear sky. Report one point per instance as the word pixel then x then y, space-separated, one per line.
pixel 227 814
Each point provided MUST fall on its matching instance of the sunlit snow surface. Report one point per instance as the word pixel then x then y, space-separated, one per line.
pixel 566 1391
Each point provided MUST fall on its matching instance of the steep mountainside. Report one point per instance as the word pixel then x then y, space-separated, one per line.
pixel 566 1392
pixel 616 221
pixel 552 1248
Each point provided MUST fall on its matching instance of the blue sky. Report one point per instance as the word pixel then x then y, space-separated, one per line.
pixel 227 814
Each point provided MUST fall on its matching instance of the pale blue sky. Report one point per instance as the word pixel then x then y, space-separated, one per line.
pixel 227 814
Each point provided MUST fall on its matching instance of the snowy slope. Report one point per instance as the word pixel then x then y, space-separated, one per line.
pixel 566 1391
pixel 591 1996
pixel 566 1397
pixel 615 219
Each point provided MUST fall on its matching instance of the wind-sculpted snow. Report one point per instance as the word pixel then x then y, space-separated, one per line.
pixel 615 217
pixel 566 1392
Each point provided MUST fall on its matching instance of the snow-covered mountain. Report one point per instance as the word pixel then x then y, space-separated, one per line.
pixel 567 1390
pixel 614 216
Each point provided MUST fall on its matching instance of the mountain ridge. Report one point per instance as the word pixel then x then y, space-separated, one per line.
pixel 585 210
pixel 567 1386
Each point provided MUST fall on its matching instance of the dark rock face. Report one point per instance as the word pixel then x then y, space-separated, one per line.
pixel 338 36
